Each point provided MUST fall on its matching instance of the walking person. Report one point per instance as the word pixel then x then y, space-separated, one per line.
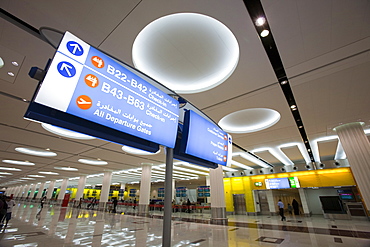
pixel 134 204
pixel 42 201
pixel 3 209
pixel 281 210
pixel 295 207
pixel 290 209
pixel 115 201
pixel 11 204
pixel 80 203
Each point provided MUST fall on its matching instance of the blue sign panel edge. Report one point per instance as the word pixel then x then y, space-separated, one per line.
pixel 49 115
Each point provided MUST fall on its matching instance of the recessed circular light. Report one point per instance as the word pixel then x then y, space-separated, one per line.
pixel 15 63
pixel 10 169
pixel 93 162
pixel 66 133
pixel 249 120
pixel 11 74
pixel 17 162
pixel 36 176
pixel 66 168
pixel 284 82
pixel 132 150
pixel 293 106
pixel 49 173
pixel 6 173
pixel 260 21
pixel 36 152
pixel 264 33
pixel 187 52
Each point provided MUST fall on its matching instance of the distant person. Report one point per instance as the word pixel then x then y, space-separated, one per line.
pixel 188 204
pixel 281 210
pixel 295 207
pixel 42 201
pixel 93 202
pixel 115 202
pixel 80 203
pixel 290 209
pixel 11 203
pixel 134 204
pixel 3 209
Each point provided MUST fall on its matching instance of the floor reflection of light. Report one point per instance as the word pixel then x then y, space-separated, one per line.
pixel 26 245
pixel 11 230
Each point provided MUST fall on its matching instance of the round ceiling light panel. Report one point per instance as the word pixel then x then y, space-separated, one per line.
pixel 187 52
pixel 66 168
pixel 132 150
pixel 66 133
pixel 93 162
pixel 36 152
pixel 249 120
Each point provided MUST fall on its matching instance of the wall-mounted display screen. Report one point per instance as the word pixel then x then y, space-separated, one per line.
pixel 346 196
pixel 277 183
pixel 86 83
pixel 205 140
pixel 282 183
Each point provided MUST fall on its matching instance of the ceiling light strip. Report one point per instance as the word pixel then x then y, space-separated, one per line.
pixel 256 11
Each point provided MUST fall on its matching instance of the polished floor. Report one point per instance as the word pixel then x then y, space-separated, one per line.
pixel 54 226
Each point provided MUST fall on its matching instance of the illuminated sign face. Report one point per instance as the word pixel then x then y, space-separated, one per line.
pixel 84 82
pixel 205 140
pixel 277 183
pixel 294 183
pixel 258 184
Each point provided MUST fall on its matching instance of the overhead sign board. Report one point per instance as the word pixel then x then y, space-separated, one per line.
pixel 205 140
pixel 85 82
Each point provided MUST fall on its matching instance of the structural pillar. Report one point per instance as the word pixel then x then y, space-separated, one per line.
pixel 271 202
pixel 80 188
pixel 50 190
pixel 105 190
pixel 302 195
pixel 32 193
pixel 145 184
pixel 122 190
pixel 218 206
pixel 357 148
pixel 41 190
pixel 62 191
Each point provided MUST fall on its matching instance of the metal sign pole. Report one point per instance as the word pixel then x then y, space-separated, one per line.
pixel 167 215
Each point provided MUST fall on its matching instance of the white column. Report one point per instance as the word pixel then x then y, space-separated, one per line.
pixel 123 186
pixel 80 187
pixel 62 191
pixel 50 190
pixel 25 190
pixel 173 189
pixel 145 183
pixel 271 202
pixel 357 148
pixel 306 210
pixel 33 189
pixel 18 191
pixel 105 189
pixel 218 206
pixel 41 189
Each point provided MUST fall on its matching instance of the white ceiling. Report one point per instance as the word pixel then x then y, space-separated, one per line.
pixel 324 46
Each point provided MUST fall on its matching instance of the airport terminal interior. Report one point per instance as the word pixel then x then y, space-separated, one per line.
pixel 185 123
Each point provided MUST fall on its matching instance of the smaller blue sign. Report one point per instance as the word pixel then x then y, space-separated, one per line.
pixel 75 48
pixel 66 69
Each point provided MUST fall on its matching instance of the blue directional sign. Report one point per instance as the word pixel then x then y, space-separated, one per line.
pixel 66 69
pixel 86 83
pixel 75 48
pixel 205 140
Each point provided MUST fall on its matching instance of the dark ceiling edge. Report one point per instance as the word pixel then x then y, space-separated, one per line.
pixel 255 10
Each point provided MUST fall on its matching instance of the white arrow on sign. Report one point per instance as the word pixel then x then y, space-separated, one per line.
pixel 75 48
pixel 66 67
